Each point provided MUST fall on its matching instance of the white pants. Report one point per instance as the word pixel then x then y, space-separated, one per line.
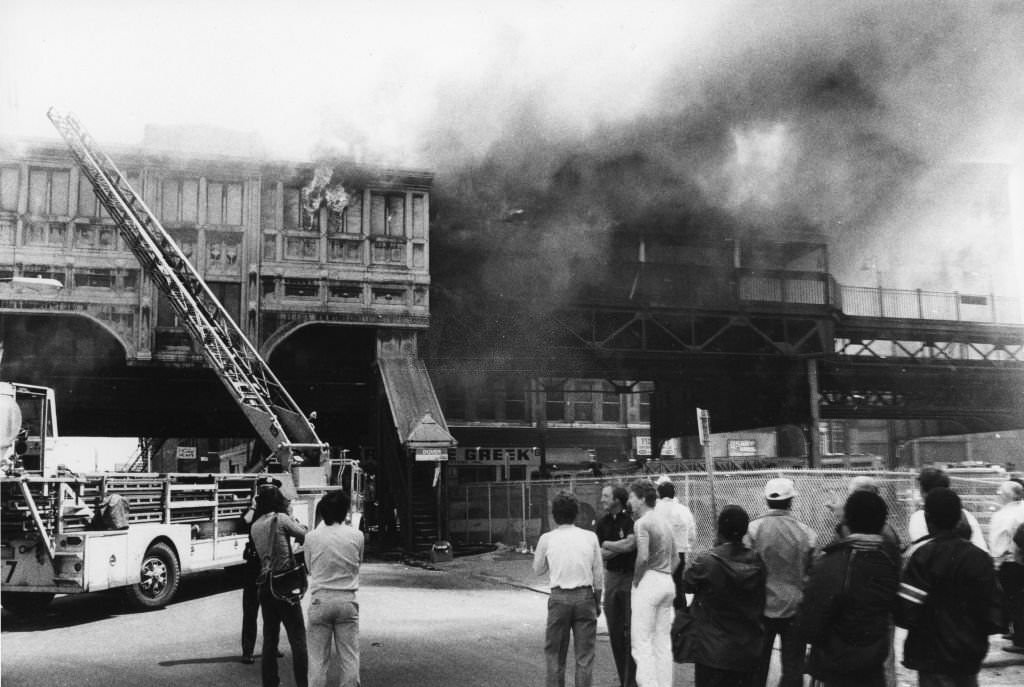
pixel 650 628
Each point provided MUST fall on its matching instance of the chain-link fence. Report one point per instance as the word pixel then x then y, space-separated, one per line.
pixel 516 513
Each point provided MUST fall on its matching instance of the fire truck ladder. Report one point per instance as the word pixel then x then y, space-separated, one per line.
pixel 277 419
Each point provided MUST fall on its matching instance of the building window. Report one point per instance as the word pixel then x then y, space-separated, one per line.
pixel 48 191
pixel 268 286
pixel 385 296
pixel 179 201
pixel 94 278
pixel 95 237
pixel 611 404
pixel 515 399
pixel 387 214
pixel 388 251
pixel 345 291
pixel 268 206
pixel 349 220
pixel 583 403
pixel 419 216
pixel 9 188
pixel 224 203
pixel 230 296
pixel 45 234
pixel 345 250
pixel 298 248
pixel 293 214
pixel 43 272
pixel 554 403
pixel 419 256
pixel 301 288
pixel 269 247
pixel 643 401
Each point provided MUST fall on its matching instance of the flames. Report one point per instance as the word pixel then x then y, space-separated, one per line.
pixel 320 192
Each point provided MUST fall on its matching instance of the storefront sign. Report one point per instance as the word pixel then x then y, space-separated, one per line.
pixel 431 455
pixel 185 453
pixel 481 455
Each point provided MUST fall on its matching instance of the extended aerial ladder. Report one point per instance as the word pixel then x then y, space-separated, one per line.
pixel 278 421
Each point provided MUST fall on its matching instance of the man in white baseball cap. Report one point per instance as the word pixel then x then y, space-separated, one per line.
pixel 787 547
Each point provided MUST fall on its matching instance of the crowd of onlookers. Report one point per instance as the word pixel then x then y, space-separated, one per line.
pixel 833 606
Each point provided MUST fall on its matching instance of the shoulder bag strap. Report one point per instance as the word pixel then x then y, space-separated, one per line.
pixel 272 540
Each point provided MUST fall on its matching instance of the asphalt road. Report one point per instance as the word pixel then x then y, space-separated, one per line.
pixel 418 627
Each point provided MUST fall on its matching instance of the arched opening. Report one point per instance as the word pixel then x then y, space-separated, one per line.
pixel 328 368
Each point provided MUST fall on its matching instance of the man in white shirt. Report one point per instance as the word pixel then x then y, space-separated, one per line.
pixel 572 559
pixel 684 531
pixel 1008 558
pixel 917 529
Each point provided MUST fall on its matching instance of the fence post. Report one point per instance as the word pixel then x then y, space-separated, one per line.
pixel 956 302
pixel 881 302
pixel 490 525
pixel 466 534
pixel 522 498
pixel 920 306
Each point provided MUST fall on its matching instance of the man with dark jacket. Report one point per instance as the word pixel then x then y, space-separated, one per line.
pixel 849 600
pixel 949 600
pixel 618 549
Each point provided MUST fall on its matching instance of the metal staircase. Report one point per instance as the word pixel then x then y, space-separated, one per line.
pixel 267 405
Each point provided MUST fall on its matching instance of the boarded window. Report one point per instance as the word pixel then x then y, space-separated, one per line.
pixel 48 192
pixel 169 200
pixel 88 205
pixel 611 404
pixel 190 200
pixel 419 256
pixel 301 288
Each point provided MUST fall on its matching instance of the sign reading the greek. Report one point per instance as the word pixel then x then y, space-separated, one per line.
pixel 481 455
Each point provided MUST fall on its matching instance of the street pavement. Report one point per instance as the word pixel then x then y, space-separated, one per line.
pixel 509 567
pixel 476 620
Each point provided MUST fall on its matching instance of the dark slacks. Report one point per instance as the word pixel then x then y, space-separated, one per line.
pixel 677 579
pixel 792 652
pixel 250 606
pixel 571 610
pixel 617 588
pixel 275 614
pixel 1011 578
pixel 706 676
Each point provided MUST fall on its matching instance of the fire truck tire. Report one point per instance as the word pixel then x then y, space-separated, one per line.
pixel 159 577
pixel 25 603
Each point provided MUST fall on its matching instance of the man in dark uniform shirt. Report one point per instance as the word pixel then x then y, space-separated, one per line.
pixel 618 548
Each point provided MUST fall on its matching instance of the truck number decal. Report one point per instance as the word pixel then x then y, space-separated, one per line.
pixel 10 571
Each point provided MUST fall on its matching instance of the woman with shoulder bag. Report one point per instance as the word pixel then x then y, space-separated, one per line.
pixel 728 583
pixel 271 534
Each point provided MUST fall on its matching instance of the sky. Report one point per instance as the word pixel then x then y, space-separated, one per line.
pixel 842 116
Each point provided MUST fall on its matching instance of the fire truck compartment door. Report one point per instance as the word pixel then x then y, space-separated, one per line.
pixel 106 560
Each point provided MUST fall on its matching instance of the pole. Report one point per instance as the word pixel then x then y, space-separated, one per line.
pixel 704 436
pixel 814 447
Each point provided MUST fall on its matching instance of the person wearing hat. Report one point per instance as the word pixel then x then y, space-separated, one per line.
pixel 728 587
pixel 787 547
pixel 949 600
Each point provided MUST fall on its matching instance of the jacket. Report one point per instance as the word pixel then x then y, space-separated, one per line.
pixel 787 547
pixel 728 583
pixel 950 604
pixel 848 605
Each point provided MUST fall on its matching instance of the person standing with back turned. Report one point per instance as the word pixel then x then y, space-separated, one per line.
pixel 787 547
pixel 334 552
pixel 572 558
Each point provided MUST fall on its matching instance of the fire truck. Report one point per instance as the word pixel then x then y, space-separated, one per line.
pixel 178 523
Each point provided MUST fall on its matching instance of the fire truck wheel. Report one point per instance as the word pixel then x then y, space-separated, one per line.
pixel 25 603
pixel 158 579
